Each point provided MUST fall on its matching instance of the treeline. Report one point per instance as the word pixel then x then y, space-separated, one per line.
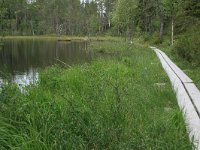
pixel 69 17
pixel 75 17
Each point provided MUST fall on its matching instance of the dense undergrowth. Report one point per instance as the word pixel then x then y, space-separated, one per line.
pixel 187 45
pixel 124 102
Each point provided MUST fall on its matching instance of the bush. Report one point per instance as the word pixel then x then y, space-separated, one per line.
pixel 188 45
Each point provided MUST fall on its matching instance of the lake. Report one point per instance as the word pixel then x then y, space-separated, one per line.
pixel 21 60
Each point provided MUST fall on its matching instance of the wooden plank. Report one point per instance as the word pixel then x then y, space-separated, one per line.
pixel 183 77
pixel 184 95
pixel 191 117
pixel 193 91
pixel 194 94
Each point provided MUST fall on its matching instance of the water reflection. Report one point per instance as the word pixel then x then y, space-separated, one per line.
pixel 21 59
pixel 1 81
pixel 27 78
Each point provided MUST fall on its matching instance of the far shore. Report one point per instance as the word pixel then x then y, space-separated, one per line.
pixel 64 38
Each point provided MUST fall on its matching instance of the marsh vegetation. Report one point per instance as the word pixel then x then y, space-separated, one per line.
pixel 124 102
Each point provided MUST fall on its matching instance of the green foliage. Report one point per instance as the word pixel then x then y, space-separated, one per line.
pixel 93 26
pixel 108 104
pixel 124 14
pixel 107 47
pixel 188 45
pixel 147 12
pixel 41 17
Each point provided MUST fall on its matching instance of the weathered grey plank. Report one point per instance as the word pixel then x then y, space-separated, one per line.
pixel 191 117
pixel 186 94
pixel 194 94
pixel 183 77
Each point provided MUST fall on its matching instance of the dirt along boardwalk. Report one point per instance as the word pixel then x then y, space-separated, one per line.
pixel 188 96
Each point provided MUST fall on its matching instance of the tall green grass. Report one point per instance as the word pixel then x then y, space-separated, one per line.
pixel 123 102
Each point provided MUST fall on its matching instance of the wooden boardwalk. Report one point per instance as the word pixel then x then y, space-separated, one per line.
pixel 188 96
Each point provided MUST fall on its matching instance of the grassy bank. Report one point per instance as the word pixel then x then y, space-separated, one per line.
pixel 67 38
pixel 122 100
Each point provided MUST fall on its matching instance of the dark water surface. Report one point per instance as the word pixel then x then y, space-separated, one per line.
pixel 21 60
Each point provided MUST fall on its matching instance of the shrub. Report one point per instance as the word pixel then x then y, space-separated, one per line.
pixel 188 45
